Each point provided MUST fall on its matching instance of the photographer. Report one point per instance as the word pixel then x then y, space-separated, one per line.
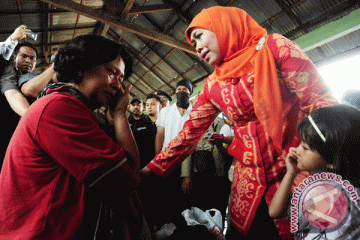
pixel 13 103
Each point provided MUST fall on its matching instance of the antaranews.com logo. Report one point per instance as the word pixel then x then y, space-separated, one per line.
pixel 323 199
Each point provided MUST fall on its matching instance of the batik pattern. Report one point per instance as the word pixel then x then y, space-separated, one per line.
pixel 260 168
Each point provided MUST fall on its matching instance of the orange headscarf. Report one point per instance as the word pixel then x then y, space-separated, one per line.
pixel 238 35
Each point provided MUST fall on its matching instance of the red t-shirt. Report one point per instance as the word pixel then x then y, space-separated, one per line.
pixel 56 152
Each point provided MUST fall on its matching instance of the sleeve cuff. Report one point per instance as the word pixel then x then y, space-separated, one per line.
pixel 9 48
pixel 11 42
pixel 155 169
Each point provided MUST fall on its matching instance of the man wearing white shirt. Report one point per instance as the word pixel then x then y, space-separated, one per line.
pixel 228 131
pixel 171 119
pixel 169 123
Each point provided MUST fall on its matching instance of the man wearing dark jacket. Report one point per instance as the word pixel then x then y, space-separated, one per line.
pixel 144 131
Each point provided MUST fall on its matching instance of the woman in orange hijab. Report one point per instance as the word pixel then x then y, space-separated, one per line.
pixel 265 84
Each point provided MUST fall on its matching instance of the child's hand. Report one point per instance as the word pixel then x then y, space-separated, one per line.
pixel 291 163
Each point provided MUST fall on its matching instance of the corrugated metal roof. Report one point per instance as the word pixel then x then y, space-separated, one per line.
pixel 339 46
pixel 157 65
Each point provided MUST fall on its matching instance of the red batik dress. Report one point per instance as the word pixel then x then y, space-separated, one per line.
pixel 259 168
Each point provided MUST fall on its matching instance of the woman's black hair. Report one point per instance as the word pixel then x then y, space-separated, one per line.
pixel 85 52
pixel 340 125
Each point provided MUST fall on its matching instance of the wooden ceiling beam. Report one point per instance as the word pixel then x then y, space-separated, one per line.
pixel 132 50
pixel 150 69
pixel 184 16
pixel 141 79
pixel 132 20
pixel 127 8
pixel 177 9
pixel 105 30
pixel 77 20
pixel 137 88
pixel 30 11
pixel 163 60
pixel 52 29
pixel 44 20
pixel 20 15
pixel 134 10
pixel 280 14
pixel 147 67
pixel 150 8
pixel 143 82
pixel 176 78
pixel 197 63
pixel 104 17
pixel 51 26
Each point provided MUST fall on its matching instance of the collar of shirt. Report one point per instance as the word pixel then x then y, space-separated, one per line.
pixel 175 107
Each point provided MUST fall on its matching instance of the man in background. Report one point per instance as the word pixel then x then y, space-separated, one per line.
pixel 143 129
pixel 10 118
pixel 7 47
pixel 153 106
pixel 169 123
pixel 164 98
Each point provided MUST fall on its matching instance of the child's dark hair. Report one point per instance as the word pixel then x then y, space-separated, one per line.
pixel 85 52
pixel 340 125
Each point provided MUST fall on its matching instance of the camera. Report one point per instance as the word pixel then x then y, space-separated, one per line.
pixel 32 35
pixel 53 57
pixel 210 135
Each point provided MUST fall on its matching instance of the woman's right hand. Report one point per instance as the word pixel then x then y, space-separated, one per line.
pixel 120 102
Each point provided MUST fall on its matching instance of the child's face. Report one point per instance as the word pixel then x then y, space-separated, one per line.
pixel 310 160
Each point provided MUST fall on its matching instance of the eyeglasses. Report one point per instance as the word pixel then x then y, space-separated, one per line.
pixel 164 99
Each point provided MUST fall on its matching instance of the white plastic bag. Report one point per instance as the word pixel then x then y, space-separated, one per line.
pixel 165 231
pixel 211 219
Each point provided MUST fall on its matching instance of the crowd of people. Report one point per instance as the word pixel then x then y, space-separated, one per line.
pixel 78 166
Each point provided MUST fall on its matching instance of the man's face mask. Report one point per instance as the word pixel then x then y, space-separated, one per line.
pixel 183 99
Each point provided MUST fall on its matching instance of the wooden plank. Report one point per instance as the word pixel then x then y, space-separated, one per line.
pixel 127 9
pixel 105 30
pixel 20 15
pixel 77 20
pixel 151 8
pixel 106 18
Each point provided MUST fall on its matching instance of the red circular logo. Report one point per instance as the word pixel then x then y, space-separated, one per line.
pixel 324 206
